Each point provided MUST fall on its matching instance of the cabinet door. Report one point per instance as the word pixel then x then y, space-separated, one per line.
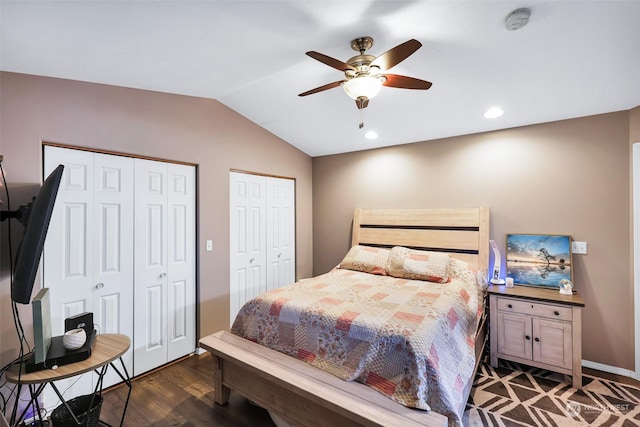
pixel 552 343
pixel 514 335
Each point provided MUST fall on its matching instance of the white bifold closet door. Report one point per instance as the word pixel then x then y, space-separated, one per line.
pixel 121 244
pixel 281 228
pixel 88 253
pixel 164 263
pixel 262 236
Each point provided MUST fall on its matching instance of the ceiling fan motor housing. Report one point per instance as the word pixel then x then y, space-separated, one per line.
pixel 361 65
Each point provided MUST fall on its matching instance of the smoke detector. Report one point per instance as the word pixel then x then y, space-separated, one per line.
pixel 517 19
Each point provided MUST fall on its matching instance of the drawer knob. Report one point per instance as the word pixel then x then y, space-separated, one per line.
pixel 510 306
pixel 527 337
pixel 557 313
pixel 537 339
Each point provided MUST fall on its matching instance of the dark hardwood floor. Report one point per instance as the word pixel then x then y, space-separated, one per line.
pixel 180 394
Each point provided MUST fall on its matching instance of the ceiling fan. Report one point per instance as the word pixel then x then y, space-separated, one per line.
pixel 366 74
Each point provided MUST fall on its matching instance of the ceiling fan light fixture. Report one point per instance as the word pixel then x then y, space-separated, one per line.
pixel 362 87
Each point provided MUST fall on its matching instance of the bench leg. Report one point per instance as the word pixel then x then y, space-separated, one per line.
pixel 221 393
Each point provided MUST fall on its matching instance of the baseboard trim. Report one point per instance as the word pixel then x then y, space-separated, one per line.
pixel 609 369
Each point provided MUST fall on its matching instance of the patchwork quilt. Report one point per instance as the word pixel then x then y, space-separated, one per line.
pixel 411 340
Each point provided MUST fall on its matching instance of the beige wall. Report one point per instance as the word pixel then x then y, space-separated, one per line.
pixel 196 130
pixel 568 177
pixel 634 125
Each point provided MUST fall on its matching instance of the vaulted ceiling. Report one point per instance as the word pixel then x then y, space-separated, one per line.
pixel 574 58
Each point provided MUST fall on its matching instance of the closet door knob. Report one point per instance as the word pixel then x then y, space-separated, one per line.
pixel 537 339
pixel 251 260
pixel 279 255
pixel 100 286
pixel 163 275
pixel 527 337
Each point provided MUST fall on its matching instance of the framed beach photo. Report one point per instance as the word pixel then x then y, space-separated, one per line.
pixel 539 259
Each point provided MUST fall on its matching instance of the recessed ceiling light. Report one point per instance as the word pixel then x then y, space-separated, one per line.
pixel 372 134
pixel 493 112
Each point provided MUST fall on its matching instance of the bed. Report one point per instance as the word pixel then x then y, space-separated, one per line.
pixel 298 393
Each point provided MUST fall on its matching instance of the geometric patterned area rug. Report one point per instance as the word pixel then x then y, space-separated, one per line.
pixel 519 395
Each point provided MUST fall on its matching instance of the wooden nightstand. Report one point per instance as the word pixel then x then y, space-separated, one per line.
pixel 537 327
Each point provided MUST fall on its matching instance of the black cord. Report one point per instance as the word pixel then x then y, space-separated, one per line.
pixel 22 355
pixel 5 400
pixel 16 316
pixel 6 190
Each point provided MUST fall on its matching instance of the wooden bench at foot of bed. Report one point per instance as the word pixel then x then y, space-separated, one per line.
pixel 299 393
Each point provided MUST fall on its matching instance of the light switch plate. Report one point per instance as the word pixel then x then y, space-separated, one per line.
pixel 209 245
pixel 579 248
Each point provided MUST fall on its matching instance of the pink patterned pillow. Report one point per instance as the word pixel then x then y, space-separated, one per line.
pixel 367 259
pixel 412 264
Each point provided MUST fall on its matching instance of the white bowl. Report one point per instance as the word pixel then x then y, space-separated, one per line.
pixel 74 339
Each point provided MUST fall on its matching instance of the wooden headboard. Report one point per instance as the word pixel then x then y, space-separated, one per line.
pixel 463 233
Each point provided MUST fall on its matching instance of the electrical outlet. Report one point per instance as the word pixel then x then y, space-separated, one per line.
pixel 579 248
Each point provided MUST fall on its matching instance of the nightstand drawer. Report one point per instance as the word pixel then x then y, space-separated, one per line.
pixel 534 309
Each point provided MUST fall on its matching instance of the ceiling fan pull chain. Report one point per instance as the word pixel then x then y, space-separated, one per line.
pixel 361 125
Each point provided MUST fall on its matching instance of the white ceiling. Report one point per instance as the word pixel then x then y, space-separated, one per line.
pixel 575 58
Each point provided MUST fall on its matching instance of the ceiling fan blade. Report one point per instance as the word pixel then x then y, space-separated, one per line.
pixel 394 56
pixel 331 62
pixel 404 82
pixel 321 88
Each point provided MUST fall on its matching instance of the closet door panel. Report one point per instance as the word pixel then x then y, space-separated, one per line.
pixel 113 204
pixel 181 298
pixel 68 251
pixel 280 232
pixel 113 250
pixel 150 265
pixel 68 271
pixel 247 242
pixel 75 264
pixel 155 318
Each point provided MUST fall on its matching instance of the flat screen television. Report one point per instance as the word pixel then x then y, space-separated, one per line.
pixel 28 256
